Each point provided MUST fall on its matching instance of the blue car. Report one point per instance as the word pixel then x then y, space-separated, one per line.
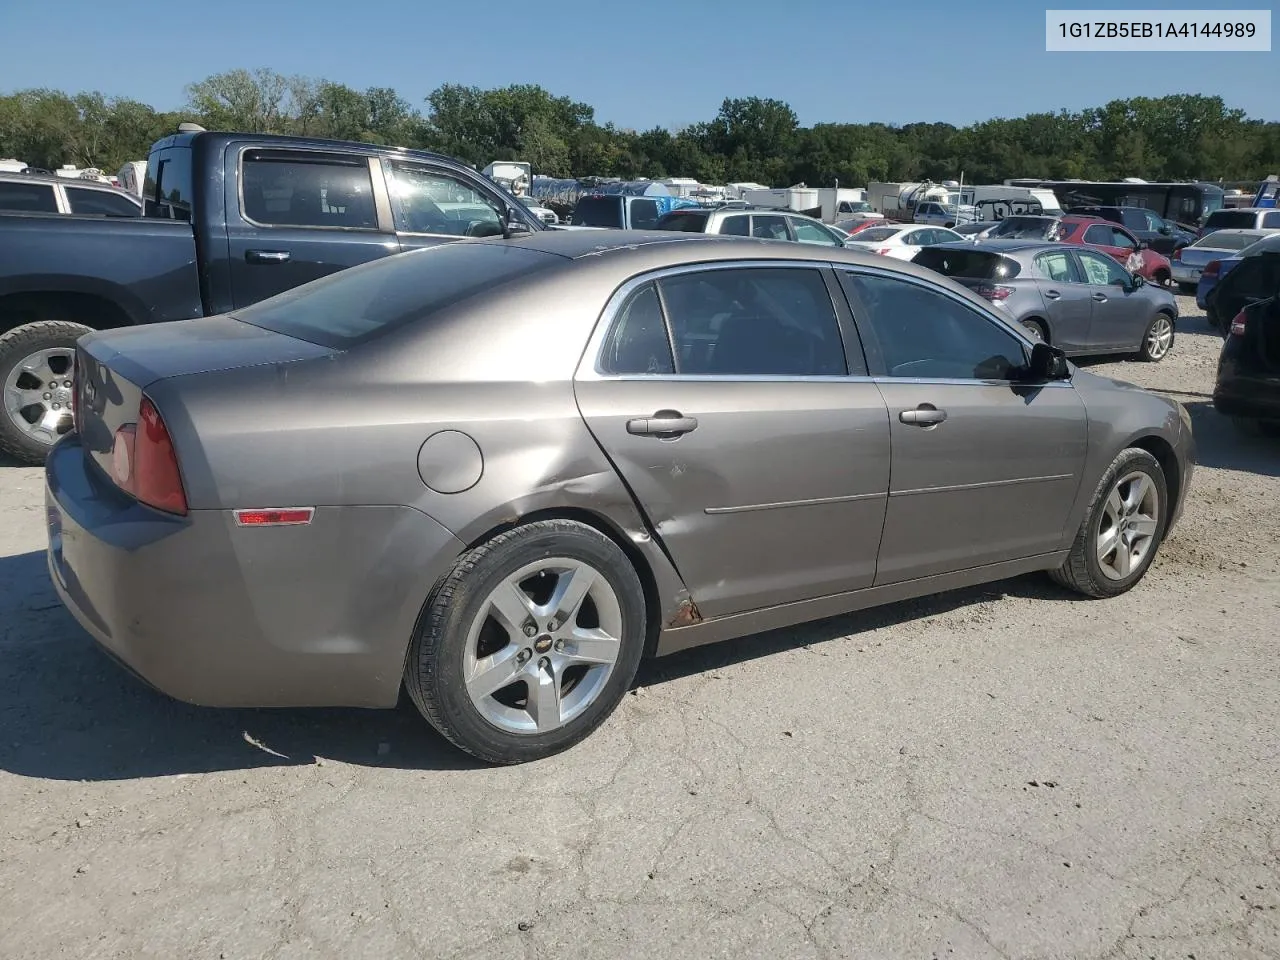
pixel 1191 263
pixel 1211 277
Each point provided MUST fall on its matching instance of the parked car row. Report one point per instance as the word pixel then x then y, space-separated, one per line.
pixel 36 193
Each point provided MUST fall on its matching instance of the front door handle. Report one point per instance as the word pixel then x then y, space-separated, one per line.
pixel 266 256
pixel 1052 295
pixel 925 415
pixel 665 425
pixel 1100 297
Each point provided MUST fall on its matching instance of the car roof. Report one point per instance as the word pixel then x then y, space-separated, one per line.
pixel 1003 246
pixel 1237 231
pixel 1244 210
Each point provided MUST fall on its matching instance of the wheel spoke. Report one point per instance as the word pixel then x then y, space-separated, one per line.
pixel 494 672
pixel 511 607
pixel 1137 493
pixel 1115 507
pixel 544 699
pixel 571 589
pixel 1107 542
pixel 1123 558
pixel 591 646
pixel 1143 526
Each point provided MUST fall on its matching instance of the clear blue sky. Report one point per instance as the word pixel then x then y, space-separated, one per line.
pixel 640 64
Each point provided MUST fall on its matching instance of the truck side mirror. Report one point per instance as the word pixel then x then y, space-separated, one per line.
pixel 514 226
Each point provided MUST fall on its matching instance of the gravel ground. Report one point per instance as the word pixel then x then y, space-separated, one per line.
pixel 1000 772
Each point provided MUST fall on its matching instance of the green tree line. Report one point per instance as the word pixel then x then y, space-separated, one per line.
pixel 750 139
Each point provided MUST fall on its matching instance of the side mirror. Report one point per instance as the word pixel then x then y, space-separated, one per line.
pixel 514 226
pixel 1047 363
pixel 1166 229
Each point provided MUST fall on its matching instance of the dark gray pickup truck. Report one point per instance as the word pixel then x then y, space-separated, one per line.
pixel 229 219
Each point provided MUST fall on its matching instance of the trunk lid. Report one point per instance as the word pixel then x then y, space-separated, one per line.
pixel 113 368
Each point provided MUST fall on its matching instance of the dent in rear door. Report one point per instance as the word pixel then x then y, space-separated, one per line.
pixel 295 215
pixel 776 489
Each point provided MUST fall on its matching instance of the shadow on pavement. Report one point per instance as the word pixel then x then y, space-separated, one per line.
pixel 67 712
pixel 1220 444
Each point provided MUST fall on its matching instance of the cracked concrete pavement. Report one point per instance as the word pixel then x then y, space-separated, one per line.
pixel 1000 772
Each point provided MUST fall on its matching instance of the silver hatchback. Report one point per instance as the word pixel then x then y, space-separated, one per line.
pixel 1075 298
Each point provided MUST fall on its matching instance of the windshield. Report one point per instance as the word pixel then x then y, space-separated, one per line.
pixel 968 264
pixel 598 212
pixel 1268 244
pixel 857 206
pixel 364 302
pixel 876 234
pixel 1025 228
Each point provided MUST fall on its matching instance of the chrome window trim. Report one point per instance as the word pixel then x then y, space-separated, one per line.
pixel 589 367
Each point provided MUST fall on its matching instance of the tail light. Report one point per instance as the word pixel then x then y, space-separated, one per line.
pixel 1177 255
pixel 1212 268
pixel 994 291
pixel 1239 323
pixel 145 464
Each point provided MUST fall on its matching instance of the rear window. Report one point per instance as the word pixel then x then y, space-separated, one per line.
pixel 365 302
pixel 28 197
pixel 1269 244
pixel 1220 240
pixel 168 188
pixel 968 264
pixel 101 203
pixel 1024 228
pixel 684 222
pixel 598 212
pixel 1225 219
pixel 876 234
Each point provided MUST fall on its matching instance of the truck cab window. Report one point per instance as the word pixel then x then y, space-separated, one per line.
pixel 297 191
pixel 430 201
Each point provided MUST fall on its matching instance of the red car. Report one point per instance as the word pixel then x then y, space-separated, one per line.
pixel 1134 255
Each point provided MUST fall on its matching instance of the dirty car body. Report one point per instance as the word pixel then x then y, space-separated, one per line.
pixel 293 505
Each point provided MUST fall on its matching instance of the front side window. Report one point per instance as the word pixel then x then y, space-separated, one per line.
pixel 28 197
pixel 293 190
pixel 638 342
pixel 807 232
pixel 431 201
pixel 923 333
pixel 101 203
pixel 769 228
pixel 1121 239
pixel 1102 271
pixel 765 321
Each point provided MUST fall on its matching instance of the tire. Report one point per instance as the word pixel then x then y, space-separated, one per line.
pixel 18 437
pixel 1083 570
pixel 1161 278
pixel 1037 329
pixel 1156 346
pixel 460 613
pixel 1188 289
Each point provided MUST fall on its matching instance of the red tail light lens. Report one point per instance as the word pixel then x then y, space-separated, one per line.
pixel 144 464
pixel 883 251
pixel 994 291
pixel 1239 323
pixel 1212 268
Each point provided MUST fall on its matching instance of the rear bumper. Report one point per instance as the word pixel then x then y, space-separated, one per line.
pixel 220 615
pixel 1185 274
pixel 1245 393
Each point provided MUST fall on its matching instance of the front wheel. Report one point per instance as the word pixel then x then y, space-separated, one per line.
pixel 1158 339
pixel 1119 537
pixel 36 364
pixel 1037 329
pixel 529 643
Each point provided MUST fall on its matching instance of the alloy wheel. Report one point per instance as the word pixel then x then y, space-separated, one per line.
pixel 543 646
pixel 1128 525
pixel 1159 337
pixel 38 394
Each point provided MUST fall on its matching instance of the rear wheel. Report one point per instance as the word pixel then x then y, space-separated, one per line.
pixel 1158 340
pixel 36 363
pixel 1037 329
pixel 1119 537
pixel 529 643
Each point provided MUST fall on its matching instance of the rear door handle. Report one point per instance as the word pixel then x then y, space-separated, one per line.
pixel 925 415
pixel 266 256
pixel 1100 297
pixel 1053 294
pixel 665 424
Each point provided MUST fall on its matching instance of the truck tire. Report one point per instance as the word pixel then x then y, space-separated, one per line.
pixel 36 362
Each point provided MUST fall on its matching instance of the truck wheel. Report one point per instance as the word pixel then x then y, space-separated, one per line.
pixel 36 362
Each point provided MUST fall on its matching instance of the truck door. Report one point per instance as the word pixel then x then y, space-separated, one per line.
pixel 296 214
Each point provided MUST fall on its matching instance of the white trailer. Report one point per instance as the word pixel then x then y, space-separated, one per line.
pixel 897 201
pixel 515 175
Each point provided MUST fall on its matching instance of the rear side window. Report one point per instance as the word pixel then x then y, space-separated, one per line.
pixel 28 197
pixel 1100 235
pixel 769 227
pixel 684 222
pixel 598 212
pixel 1058 266
pixel 754 322
pixel 968 264
pixel 644 214
pixel 358 304
pixel 297 190
pixel 638 342
pixel 101 203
